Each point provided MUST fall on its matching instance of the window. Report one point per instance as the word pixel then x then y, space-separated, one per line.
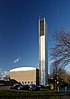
pixel 41 27
pixel 31 82
pixel 28 82
pixel 25 82
pixel 22 82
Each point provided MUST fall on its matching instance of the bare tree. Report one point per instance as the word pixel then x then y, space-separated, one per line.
pixel 60 54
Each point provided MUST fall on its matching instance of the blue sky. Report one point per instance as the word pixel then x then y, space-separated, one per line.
pixel 19 29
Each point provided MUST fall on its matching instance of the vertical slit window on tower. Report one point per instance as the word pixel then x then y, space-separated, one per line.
pixel 41 27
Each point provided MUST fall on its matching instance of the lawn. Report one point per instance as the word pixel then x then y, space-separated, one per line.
pixel 7 93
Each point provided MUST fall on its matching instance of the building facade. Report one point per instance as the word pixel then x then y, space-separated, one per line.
pixel 25 75
pixel 43 52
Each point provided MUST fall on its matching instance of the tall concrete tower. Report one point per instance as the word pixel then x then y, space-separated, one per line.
pixel 43 54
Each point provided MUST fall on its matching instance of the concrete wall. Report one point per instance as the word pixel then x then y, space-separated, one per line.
pixel 26 77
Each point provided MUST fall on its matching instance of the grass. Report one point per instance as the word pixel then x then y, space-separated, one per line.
pixel 7 93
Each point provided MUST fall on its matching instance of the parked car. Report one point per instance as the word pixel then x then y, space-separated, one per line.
pixel 42 86
pixel 23 87
pixel 34 87
pixel 15 86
